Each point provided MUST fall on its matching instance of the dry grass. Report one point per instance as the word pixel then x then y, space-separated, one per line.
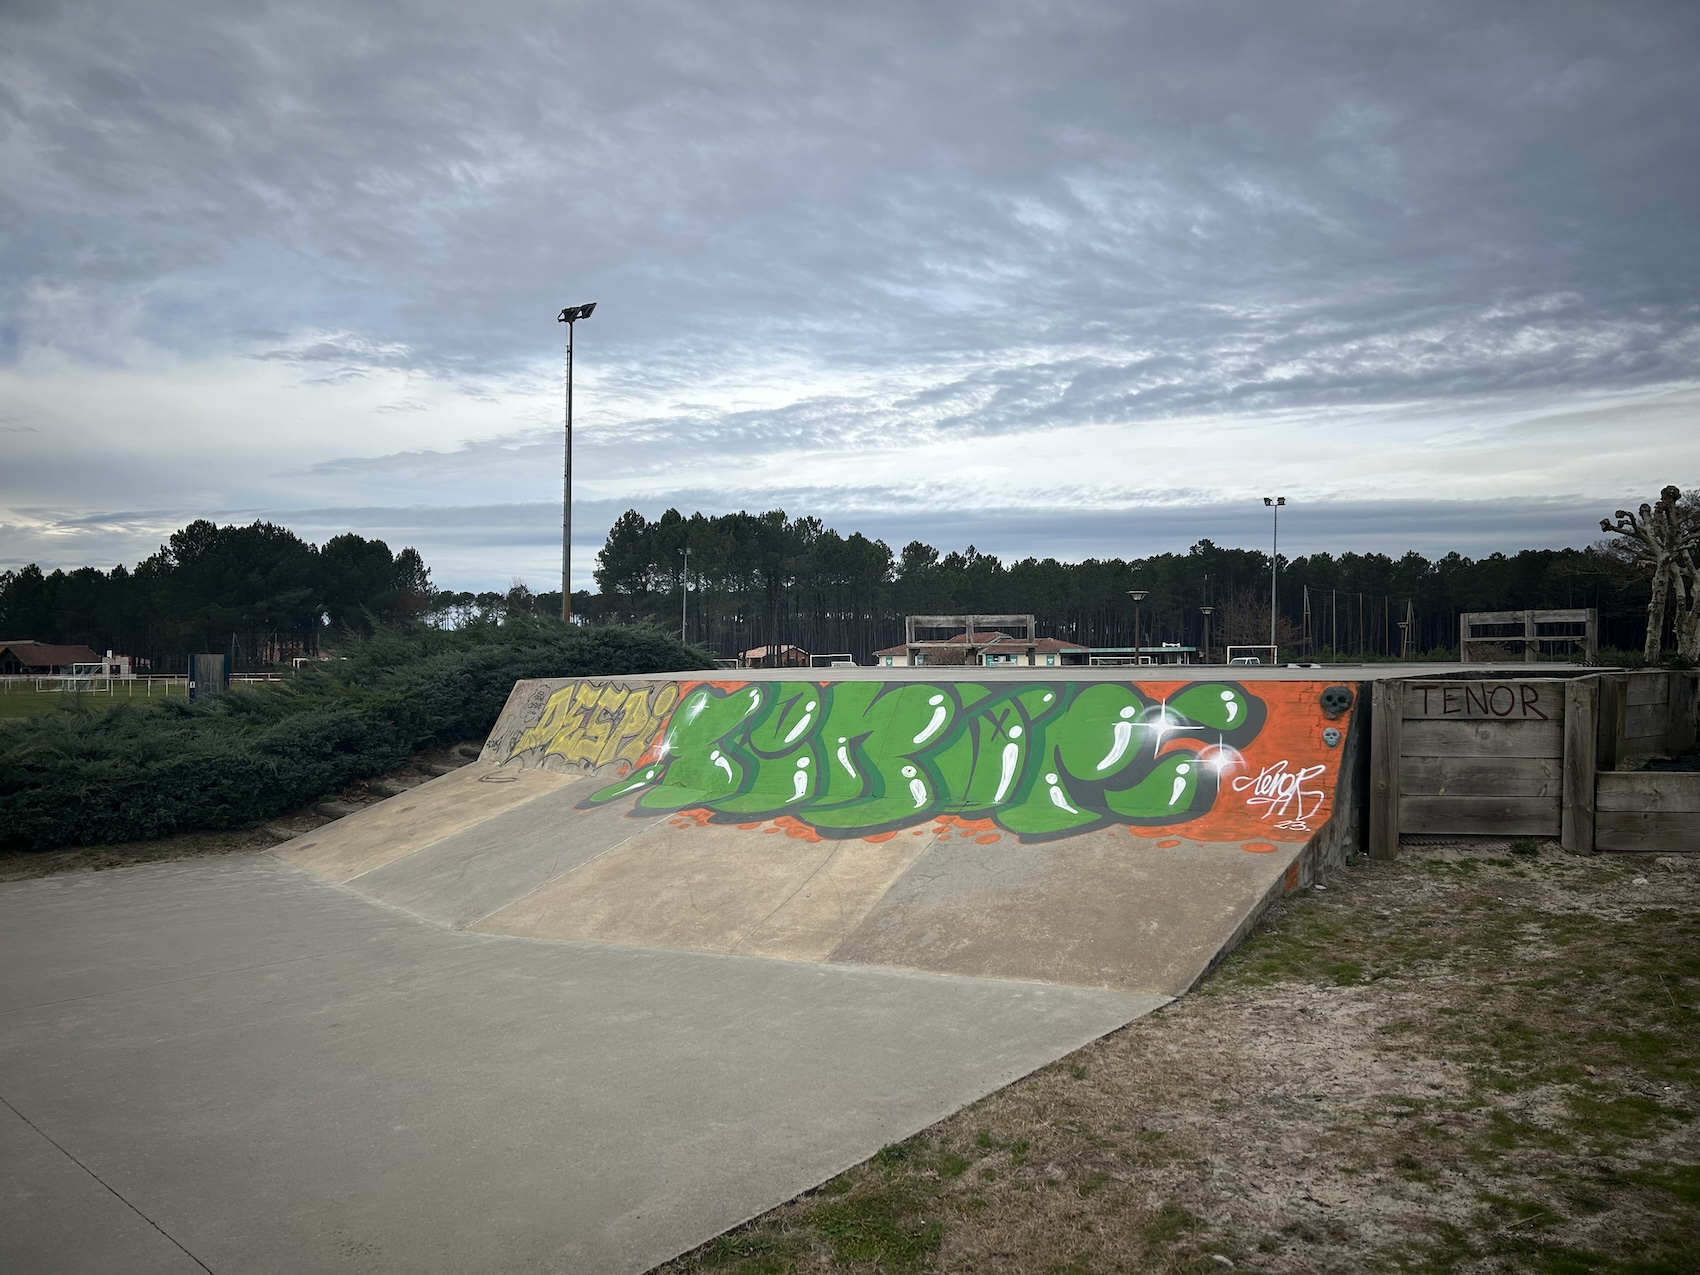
pixel 1455 1062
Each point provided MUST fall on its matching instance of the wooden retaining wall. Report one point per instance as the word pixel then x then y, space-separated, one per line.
pixel 1647 810
pixel 1532 757
pixel 1482 757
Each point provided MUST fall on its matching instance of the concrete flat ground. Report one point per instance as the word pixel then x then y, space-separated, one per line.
pixel 237 1065
pixel 501 1023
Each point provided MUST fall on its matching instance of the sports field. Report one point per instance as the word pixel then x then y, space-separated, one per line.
pixel 24 699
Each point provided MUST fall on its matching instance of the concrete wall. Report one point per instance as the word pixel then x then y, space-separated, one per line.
pixel 1042 759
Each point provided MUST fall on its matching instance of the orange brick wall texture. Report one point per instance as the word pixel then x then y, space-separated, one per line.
pixel 1209 760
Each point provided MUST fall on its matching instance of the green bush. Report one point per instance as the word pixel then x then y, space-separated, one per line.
pixel 130 773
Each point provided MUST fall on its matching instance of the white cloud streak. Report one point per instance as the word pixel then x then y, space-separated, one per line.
pixel 1045 267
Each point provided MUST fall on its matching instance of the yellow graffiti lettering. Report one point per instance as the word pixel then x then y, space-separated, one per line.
pixel 594 725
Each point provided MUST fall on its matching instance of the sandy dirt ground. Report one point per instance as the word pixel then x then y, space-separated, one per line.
pixel 1476 1058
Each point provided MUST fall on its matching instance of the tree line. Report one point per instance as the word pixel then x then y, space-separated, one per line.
pixel 753 579
pixel 264 595
pixel 259 593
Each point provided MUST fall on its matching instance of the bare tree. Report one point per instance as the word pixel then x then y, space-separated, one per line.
pixel 1665 538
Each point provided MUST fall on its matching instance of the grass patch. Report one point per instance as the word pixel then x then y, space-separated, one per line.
pixel 1494 1059
pixel 885 1228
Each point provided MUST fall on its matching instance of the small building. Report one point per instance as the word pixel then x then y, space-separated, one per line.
pixel 986 648
pixel 44 659
pixel 782 655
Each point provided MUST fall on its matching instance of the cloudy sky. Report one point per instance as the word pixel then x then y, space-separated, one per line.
pixel 1064 278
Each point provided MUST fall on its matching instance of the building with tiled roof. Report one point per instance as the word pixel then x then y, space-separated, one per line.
pixel 44 658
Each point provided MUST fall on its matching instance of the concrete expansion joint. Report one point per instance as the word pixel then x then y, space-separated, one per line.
pixel 113 1191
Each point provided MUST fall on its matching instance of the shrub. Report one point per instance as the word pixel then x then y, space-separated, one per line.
pixel 129 773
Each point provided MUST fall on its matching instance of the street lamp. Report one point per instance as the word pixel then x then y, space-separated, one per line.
pixel 1207 612
pixel 684 586
pixel 570 316
pixel 1138 596
pixel 1274 503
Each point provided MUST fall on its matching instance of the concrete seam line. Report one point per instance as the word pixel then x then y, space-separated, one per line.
pixel 559 875
pixel 85 1168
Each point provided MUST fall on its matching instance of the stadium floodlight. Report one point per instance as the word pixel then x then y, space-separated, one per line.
pixel 1274 503
pixel 569 316
pixel 1138 596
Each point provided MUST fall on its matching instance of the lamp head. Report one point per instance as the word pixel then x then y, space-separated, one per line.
pixel 573 313
pixel 1139 595
pixel 1207 610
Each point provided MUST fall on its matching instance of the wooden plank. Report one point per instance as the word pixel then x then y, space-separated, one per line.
pixel 1487 699
pixel 1581 737
pixel 1481 777
pixel 1671 792
pixel 1481 816
pixel 1648 830
pixel 1679 731
pixel 1483 739
pixel 1609 731
pixel 1649 688
pixel 1646 721
pixel 1386 726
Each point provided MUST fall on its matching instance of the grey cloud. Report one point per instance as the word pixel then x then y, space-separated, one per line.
pixel 985 217
pixel 889 179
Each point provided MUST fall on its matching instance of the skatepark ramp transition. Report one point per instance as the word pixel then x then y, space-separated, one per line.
pixel 1072 829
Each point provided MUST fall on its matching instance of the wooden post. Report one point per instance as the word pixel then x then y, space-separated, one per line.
pixel 1613 712
pixel 1680 726
pixel 1531 648
pixel 1386 726
pixel 1581 744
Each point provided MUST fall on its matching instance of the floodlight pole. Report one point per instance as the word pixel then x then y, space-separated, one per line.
pixel 684 588
pixel 1138 596
pixel 569 316
pixel 1274 504
pixel 1207 611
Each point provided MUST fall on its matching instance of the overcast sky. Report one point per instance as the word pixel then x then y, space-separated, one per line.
pixel 1069 278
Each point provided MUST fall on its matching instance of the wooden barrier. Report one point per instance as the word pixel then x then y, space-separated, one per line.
pixel 1683 726
pixel 1482 757
pixel 1646 715
pixel 1386 749
pixel 1581 742
pixel 1535 757
pixel 1647 810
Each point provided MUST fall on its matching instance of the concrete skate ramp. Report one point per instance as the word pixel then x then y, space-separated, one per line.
pixel 1085 830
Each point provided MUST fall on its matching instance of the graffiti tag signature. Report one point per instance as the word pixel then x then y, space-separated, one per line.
pixel 1276 790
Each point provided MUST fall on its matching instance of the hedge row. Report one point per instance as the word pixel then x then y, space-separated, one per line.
pixel 129 773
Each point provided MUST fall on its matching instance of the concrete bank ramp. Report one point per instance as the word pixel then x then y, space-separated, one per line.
pixel 1091 832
